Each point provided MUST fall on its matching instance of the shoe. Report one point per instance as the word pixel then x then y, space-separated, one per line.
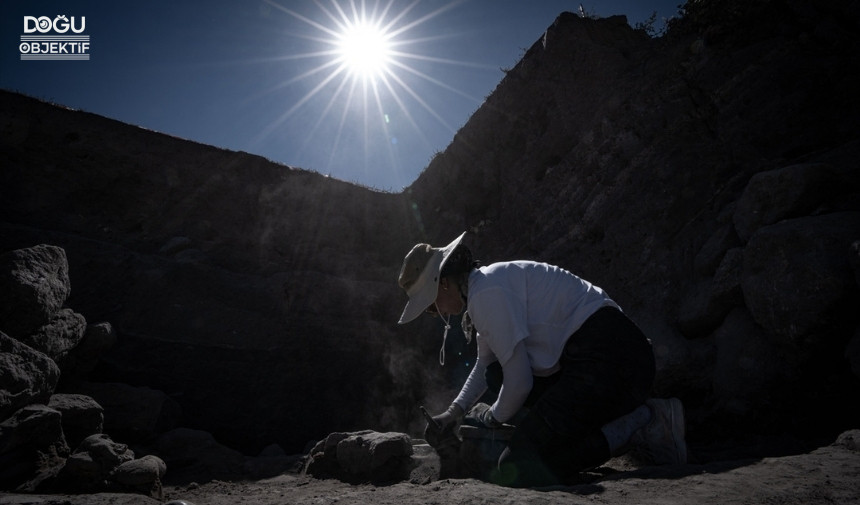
pixel 662 439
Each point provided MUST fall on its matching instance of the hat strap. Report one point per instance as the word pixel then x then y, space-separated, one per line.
pixel 444 335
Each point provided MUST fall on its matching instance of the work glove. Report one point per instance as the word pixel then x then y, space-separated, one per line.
pixel 448 420
pixel 481 416
pixel 443 425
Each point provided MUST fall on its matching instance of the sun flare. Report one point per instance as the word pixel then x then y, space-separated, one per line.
pixel 364 70
pixel 364 49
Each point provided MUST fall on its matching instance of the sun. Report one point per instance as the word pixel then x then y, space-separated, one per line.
pixel 364 49
pixel 360 76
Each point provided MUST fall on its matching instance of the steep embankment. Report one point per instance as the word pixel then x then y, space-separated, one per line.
pixel 260 296
pixel 706 179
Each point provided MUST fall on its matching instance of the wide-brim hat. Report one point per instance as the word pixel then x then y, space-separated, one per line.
pixel 419 276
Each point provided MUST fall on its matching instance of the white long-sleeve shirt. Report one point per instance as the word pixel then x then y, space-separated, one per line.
pixel 523 312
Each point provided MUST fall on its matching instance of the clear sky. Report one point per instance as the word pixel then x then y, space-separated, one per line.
pixel 281 78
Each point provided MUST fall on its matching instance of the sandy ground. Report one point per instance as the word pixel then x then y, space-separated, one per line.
pixel 829 475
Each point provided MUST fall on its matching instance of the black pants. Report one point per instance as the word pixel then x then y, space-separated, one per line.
pixel 607 369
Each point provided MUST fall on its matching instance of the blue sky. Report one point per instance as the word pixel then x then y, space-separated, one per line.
pixel 263 76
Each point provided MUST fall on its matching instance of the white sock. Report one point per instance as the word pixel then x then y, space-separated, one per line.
pixel 619 431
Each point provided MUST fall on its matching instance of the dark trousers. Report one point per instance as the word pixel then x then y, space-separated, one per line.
pixel 607 369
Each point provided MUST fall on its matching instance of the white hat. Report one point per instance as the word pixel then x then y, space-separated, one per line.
pixel 419 276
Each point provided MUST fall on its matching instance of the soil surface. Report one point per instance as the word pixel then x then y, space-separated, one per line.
pixel 828 475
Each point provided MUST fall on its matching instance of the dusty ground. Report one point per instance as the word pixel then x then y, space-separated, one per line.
pixel 829 475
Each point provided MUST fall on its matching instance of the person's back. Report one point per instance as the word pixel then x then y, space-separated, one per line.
pixel 514 300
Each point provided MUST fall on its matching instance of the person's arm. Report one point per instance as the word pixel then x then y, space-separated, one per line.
pixel 476 383
pixel 516 385
pixel 473 388
pixel 501 314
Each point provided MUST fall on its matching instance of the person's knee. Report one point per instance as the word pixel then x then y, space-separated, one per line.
pixel 518 468
pixel 538 455
pixel 522 463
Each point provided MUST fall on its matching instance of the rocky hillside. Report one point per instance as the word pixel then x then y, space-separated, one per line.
pixel 259 295
pixel 706 179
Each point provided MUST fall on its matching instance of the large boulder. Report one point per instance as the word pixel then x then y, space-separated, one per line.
pixel 747 367
pixel 34 285
pixel 59 335
pixel 797 282
pixel 790 192
pixel 26 376
pixel 32 447
pixel 82 416
pixel 90 467
pixel 143 475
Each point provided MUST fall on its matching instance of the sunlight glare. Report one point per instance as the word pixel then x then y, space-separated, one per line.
pixel 365 89
pixel 364 49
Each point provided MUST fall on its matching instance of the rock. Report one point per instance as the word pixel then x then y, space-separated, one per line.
pixel 34 424
pixel 32 447
pixel 82 473
pixel 322 458
pixel 788 192
pixel 133 413
pixel 796 279
pixel 367 453
pixel 143 475
pixel 26 376
pixel 697 313
pixel 104 451
pixel 713 251
pixel 363 456
pixel 700 313
pixel 34 285
pixel 81 416
pixel 89 468
pixel 850 440
pixel 746 365
pixel 145 470
pixel 727 279
pixel 59 336
pixel 81 360
pixel 194 455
